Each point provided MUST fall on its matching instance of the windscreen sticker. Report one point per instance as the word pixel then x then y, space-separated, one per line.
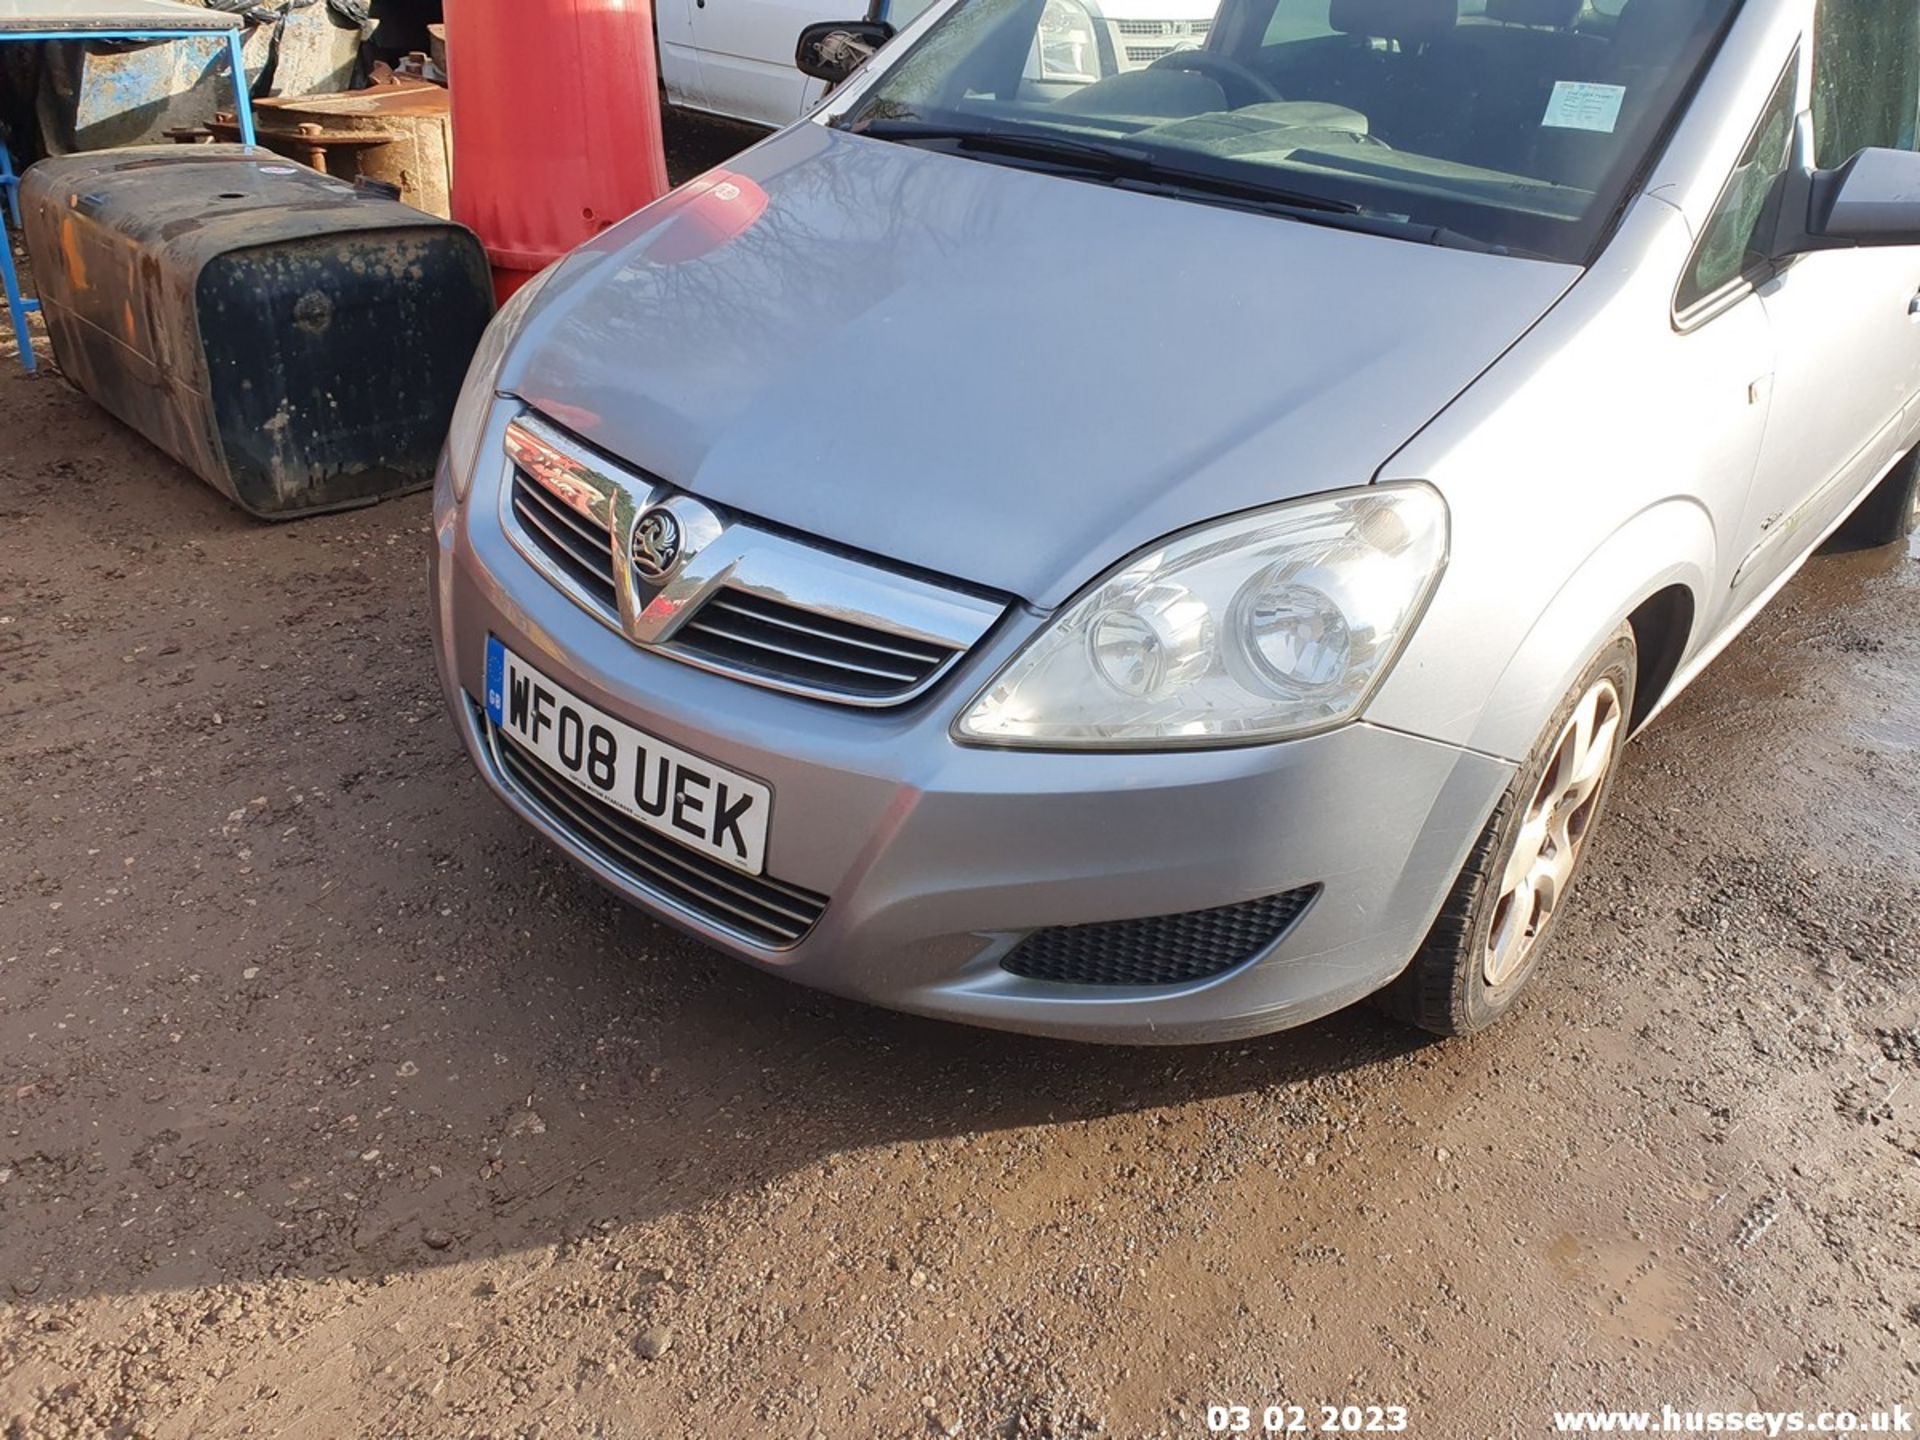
pixel 1583 105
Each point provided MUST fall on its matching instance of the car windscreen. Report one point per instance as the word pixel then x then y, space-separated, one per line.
pixel 1510 124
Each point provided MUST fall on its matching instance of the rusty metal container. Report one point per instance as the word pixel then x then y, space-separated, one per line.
pixel 295 342
pixel 399 134
pixel 95 95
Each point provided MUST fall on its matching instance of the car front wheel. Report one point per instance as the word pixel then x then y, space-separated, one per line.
pixel 1496 922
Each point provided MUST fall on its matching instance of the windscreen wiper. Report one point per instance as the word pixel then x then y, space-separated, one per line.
pixel 1101 160
pixel 1358 220
pixel 1000 140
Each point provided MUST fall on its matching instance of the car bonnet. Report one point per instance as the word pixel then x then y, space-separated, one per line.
pixel 1006 377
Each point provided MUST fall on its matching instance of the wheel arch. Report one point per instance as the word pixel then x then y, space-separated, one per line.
pixel 1663 627
pixel 1651 572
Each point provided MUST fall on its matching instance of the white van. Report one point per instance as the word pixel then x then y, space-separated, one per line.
pixel 734 58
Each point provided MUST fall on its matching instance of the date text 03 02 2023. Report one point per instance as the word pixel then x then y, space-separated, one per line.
pixel 1307 1419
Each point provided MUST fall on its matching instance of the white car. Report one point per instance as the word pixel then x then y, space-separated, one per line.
pixel 735 57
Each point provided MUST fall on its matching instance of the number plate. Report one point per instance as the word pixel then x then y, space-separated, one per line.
pixel 704 806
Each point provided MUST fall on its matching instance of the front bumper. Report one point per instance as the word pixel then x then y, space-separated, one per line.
pixel 939 858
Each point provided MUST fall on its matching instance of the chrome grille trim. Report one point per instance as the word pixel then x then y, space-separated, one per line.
pixel 772 637
pixel 1172 35
pixel 1156 29
pixel 759 909
pixel 734 636
pixel 568 541
pixel 739 603
pixel 554 486
pixel 844 630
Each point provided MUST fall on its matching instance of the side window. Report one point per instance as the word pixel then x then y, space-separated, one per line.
pixel 1866 78
pixel 1722 257
pixel 1298 20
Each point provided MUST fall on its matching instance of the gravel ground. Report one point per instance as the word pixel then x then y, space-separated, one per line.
pixel 332 1103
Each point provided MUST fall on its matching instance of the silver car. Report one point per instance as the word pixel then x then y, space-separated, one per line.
pixel 1160 557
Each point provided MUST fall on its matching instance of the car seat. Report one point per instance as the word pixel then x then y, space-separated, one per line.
pixel 1638 54
pixel 1498 71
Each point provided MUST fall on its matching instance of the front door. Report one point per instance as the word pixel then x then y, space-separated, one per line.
pixel 1846 323
pixel 679 60
pixel 744 50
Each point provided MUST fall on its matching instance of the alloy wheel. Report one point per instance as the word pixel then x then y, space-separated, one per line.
pixel 1558 818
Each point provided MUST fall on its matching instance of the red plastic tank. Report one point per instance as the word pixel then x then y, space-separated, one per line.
pixel 556 124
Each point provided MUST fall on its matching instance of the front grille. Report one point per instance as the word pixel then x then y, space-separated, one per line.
pixel 579 547
pixel 784 643
pixel 1162 950
pixel 1146 54
pixel 735 629
pixel 766 911
pixel 768 608
pixel 1160 29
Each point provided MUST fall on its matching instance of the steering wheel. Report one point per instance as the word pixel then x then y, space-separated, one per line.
pixel 1231 75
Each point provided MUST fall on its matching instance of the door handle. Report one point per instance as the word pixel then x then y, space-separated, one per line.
pixel 1913 305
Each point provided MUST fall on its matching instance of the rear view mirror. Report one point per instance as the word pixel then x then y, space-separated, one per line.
pixel 1873 199
pixel 833 49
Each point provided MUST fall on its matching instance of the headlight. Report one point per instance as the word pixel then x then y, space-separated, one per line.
pixel 1267 625
pixel 475 405
pixel 1069 48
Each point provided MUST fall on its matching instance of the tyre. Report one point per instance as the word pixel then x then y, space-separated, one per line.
pixel 1501 912
pixel 1889 514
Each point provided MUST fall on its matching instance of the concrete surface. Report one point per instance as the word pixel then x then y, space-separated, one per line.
pixel 332 1103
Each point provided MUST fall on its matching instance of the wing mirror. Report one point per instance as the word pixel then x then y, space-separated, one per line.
pixel 833 49
pixel 1872 200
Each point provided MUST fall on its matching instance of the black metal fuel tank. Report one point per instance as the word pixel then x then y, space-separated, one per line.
pixel 295 341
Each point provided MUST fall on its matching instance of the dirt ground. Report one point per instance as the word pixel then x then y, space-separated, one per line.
pixel 332 1103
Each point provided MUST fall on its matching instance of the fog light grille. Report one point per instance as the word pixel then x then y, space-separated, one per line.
pixel 1161 950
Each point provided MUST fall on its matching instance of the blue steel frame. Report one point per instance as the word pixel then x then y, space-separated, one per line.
pixel 9 183
pixel 18 305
